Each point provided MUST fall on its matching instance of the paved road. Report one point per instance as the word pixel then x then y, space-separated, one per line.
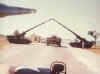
pixel 39 55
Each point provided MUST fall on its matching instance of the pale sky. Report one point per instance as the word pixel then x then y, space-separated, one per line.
pixel 78 15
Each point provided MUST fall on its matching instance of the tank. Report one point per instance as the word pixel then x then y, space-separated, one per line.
pixel 83 43
pixel 18 39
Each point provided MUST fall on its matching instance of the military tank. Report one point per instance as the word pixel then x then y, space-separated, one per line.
pixel 19 38
pixel 83 43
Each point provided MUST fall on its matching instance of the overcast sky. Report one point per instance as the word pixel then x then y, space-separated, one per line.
pixel 78 15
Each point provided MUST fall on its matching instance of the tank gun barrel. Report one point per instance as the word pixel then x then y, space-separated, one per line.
pixel 68 29
pixel 35 26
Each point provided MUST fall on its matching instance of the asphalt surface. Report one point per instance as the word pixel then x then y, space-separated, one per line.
pixel 39 55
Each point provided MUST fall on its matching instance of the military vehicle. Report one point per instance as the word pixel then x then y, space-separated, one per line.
pixel 54 40
pixel 83 43
pixel 19 38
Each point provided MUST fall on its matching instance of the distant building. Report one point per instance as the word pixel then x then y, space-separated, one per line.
pixel 35 38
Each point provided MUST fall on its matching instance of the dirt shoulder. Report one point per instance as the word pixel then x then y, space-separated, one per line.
pixel 3 43
pixel 95 49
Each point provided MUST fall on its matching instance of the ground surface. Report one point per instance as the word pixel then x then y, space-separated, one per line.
pixel 95 49
pixel 78 61
pixel 3 43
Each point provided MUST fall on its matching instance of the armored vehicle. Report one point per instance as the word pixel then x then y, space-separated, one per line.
pixel 83 43
pixel 18 39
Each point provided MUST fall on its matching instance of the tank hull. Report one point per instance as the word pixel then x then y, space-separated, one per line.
pixel 15 40
pixel 80 45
